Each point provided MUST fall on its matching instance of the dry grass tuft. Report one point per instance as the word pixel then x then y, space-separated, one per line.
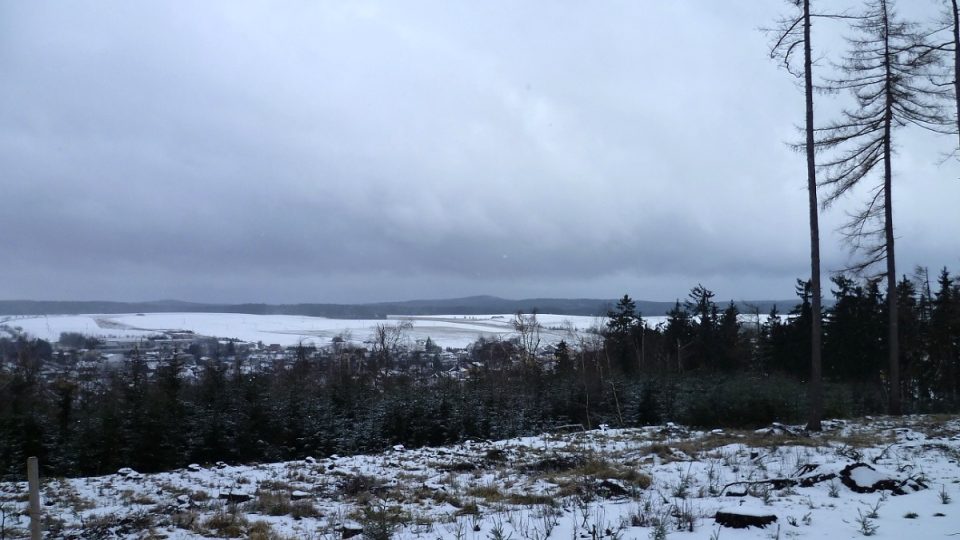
pixel 226 524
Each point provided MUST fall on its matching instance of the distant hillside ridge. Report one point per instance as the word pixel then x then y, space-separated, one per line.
pixel 471 305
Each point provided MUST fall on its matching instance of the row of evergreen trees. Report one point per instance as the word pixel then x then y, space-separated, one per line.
pixel 699 336
pixel 704 366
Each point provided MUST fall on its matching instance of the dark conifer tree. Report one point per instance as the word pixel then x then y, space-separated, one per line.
pixel 678 335
pixel 732 350
pixel 852 350
pixel 911 339
pixel 561 354
pixel 704 347
pixel 945 337
pixel 624 334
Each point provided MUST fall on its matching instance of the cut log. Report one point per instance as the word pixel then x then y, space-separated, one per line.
pixel 235 497
pixel 742 519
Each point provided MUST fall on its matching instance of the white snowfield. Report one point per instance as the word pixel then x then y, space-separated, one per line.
pixel 286 330
pixel 609 483
pixel 455 331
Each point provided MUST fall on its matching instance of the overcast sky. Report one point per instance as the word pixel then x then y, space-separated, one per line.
pixel 360 151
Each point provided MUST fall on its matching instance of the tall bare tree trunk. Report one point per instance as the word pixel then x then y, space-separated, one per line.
pixel 956 60
pixel 815 411
pixel 893 341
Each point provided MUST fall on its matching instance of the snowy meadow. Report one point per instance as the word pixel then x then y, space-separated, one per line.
pixel 884 477
pixel 286 330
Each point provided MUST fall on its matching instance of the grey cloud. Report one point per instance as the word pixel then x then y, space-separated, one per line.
pixel 362 151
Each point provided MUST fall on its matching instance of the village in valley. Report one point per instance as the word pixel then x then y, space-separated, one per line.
pixel 388 349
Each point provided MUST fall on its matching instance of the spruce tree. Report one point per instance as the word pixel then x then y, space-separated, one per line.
pixel 731 347
pixel 704 310
pixel 624 334
pixel 945 337
pixel 678 335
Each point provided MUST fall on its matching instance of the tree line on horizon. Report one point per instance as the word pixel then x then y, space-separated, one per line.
pixel 706 365
pixel 700 336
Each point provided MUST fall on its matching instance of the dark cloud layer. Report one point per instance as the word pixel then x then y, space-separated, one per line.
pixel 353 151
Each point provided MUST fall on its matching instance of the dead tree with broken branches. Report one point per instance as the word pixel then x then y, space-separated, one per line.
pixel 888 69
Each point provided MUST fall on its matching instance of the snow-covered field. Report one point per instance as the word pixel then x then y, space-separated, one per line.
pixel 630 483
pixel 445 330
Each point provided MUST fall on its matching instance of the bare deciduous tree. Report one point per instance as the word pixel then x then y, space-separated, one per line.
pixel 387 339
pixel 528 329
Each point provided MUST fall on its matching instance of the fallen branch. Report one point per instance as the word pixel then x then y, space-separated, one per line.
pixel 775 483
pixel 882 454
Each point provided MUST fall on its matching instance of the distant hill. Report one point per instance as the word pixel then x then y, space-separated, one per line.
pixel 471 305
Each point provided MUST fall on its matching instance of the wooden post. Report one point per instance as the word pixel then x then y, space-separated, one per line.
pixel 33 478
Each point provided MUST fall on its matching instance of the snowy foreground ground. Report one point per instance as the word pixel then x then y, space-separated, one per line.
pixel 654 482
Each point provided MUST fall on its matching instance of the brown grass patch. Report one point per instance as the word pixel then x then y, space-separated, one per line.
pixel 226 524
pixel 275 485
pixel 272 503
pixel 602 469
pixel 862 439
pixel 488 492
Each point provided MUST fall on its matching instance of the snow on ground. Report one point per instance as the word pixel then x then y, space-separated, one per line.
pixel 444 330
pixel 607 483
pixel 49 327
